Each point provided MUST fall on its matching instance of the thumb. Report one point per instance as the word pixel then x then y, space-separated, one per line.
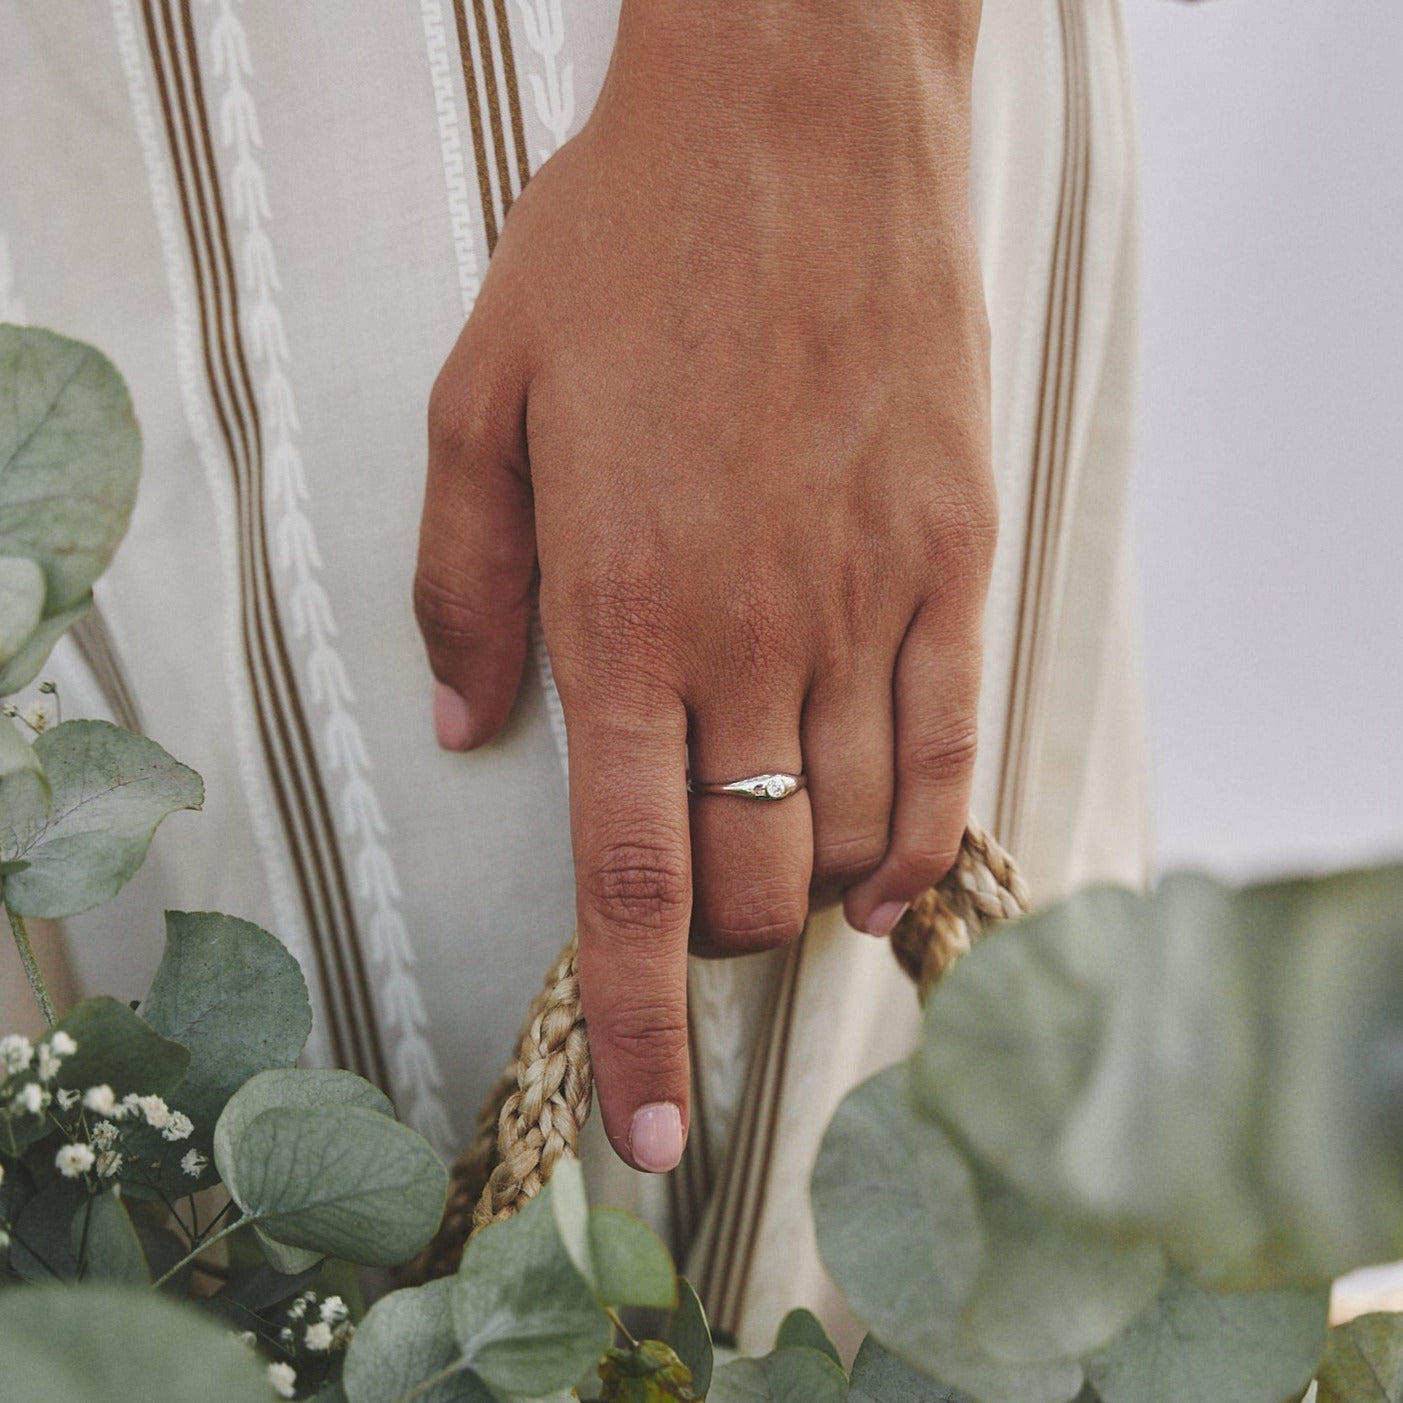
pixel 477 546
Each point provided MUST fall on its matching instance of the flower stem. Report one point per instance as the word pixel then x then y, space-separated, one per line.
pixel 31 968
pixel 198 1250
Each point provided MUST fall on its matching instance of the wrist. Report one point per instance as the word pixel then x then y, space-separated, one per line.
pixel 791 63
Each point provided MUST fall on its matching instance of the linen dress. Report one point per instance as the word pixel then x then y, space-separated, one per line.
pixel 274 217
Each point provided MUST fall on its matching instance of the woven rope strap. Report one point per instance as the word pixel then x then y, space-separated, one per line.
pixel 535 1112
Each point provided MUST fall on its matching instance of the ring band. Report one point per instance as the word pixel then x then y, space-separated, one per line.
pixel 769 788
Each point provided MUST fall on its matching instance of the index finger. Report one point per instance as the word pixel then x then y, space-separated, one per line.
pixel 633 888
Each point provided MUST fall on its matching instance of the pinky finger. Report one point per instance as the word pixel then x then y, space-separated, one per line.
pixel 937 710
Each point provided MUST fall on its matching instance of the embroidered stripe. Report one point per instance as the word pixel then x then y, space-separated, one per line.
pixel 291 766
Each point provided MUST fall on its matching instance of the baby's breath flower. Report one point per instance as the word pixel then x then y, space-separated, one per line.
pixel 333 1310
pixel 283 1377
pixel 193 1163
pixel 109 1164
pixel 245 1337
pixel 155 1110
pixel 67 1098
pixel 49 1062
pixel 4 1240
pixel 101 1100
pixel 298 1308
pixel 74 1160
pixel 285 1334
pixel 2 1173
pixel 32 1098
pixel 104 1135
pixel 16 1051
pixel 63 1044
pixel 36 716
pixel 178 1126
pixel 318 1337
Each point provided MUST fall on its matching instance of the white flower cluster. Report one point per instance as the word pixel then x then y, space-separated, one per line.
pixel 316 1327
pixel 28 1077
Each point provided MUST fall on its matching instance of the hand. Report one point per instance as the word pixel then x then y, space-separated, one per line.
pixel 725 388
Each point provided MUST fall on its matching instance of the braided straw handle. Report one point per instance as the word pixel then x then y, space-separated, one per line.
pixel 534 1114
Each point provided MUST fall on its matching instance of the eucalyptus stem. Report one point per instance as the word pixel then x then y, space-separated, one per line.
pixel 198 1250
pixel 31 968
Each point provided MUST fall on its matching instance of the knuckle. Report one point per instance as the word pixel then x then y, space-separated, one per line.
pixel 942 758
pixel 447 613
pixel 747 924
pixel 649 1034
pixel 637 889
pixel 846 861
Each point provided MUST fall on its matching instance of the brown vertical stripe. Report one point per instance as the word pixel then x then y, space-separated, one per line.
pixel 504 35
pixel 1052 448
pixel 494 106
pixel 93 641
pixel 484 179
pixel 295 781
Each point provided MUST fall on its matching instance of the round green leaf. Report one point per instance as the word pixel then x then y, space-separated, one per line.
pixel 690 1336
pixel 110 790
pixel 234 996
pixel 95 1344
pixel 631 1267
pixel 526 1320
pixel 21 603
pixel 294 1086
pixel 70 456
pixel 800 1329
pixel 339 1180
pixel 25 666
pixel 106 1244
pixel 1055 1288
pixel 1363 1361
pixel 897 1217
pixel 407 1338
pixel 1196 1346
pixel 118 1047
pixel 41 1242
pixel 879 1377
pixel 1330 1148
pixel 786 1376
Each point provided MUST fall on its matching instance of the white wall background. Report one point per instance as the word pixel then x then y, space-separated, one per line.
pixel 1269 498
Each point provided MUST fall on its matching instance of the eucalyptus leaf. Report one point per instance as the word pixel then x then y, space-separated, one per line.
pixel 880 1377
pixel 106 1244
pixel 526 1320
pixel 1196 1346
pixel 120 1049
pixel 18 762
pixel 631 1267
pixel 294 1086
pixel 41 1238
pixel 235 996
pixel 110 789
pixel 26 664
pixel 1055 1287
pixel 339 1180
pixel 1363 1361
pixel 406 1339
pixel 785 1376
pixel 97 1344
pixel 800 1329
pixel 69 459
pixel 21 603
pixel 960 1360
pixel 897 1217
pixel 690 1336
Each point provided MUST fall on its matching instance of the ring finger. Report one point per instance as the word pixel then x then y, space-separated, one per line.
pixel 751 859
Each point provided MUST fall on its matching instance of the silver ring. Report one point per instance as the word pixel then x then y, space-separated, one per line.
pixel 769 788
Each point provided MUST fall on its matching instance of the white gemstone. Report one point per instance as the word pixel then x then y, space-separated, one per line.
pixel 776 786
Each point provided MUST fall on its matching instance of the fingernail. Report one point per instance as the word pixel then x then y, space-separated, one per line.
pixel 655 1137
pixel 452 723
pixel 883 920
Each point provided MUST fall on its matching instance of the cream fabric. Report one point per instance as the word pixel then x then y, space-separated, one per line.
pixel 274 217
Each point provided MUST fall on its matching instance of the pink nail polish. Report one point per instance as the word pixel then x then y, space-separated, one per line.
pixel 883 920
pixel 655 1137
pixel 452 721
